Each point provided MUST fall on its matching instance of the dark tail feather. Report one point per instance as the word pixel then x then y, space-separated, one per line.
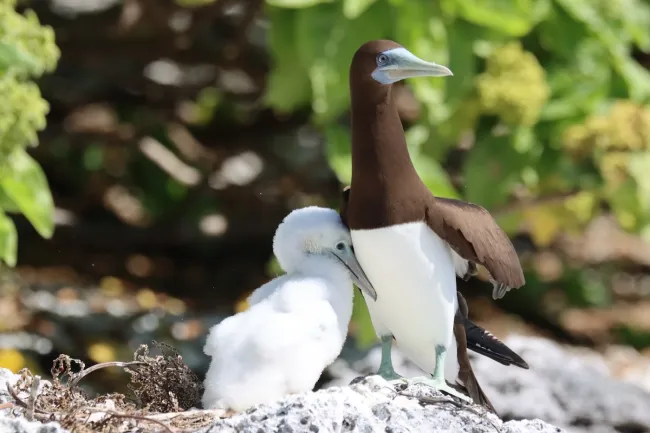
pixel 484 343
pixel 476 393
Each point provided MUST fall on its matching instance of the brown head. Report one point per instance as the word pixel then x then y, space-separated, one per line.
pixel 378 64
pixel 383 176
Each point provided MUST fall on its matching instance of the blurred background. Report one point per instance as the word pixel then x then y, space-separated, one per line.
pixel 149 149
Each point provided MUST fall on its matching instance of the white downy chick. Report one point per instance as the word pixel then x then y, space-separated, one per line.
pixel 296 324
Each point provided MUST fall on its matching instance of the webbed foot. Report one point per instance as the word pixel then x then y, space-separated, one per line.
pixel 440 385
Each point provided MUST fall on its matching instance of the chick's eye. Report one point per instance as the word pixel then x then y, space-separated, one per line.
pixel 340 246
pixel 382 59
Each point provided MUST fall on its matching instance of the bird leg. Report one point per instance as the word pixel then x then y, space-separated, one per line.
pixel 386 369
pixel 437 379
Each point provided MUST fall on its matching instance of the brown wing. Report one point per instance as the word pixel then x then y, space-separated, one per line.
pixel 472 232
pixel 343 212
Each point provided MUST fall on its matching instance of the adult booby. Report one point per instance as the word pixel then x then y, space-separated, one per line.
pixel 296 323
pixel 410 243
pixel 467 335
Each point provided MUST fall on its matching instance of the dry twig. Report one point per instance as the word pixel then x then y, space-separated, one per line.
pixel 162 384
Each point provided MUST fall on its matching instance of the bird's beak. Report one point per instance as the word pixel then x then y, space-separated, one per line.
pixel 359 277
pixel 407 65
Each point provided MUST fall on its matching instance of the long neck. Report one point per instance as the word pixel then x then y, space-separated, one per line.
pixel 379 152
pixel 383 175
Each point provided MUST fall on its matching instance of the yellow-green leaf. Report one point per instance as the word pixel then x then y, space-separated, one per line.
pixel 354 8
pixel 434 176
pixel 296 3
pixel 288 86
pixel 511 17
pixel 364 332
pixel 7 204
pixel 8 240
pixel 12 57
pixel 326 42
pixel 24 182
pixel 338 151
pixel 544 224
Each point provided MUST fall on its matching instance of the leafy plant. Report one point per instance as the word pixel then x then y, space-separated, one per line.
pixel 27 51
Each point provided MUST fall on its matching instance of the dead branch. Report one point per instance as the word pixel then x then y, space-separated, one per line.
pixel 86 371
pixel 129 416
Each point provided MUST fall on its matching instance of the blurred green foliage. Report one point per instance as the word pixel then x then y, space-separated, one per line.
pixel 548 89
pixel 27 50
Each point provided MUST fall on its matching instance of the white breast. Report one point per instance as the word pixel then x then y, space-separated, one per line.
pixel 412 271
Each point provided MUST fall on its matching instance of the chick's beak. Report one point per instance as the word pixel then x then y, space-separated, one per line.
pixel 359 277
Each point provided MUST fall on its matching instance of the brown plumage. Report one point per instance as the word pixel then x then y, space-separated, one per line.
pixel 388 191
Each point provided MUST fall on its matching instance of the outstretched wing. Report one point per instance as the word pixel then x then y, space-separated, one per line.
pixel 471 231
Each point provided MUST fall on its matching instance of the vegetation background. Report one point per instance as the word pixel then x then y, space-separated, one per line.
pixel 149 148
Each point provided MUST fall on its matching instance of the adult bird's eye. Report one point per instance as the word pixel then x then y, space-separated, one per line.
pixel 382 59
pixel 340 246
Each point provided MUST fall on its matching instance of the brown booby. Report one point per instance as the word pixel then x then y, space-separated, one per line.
pixel 410 243
pixel 467 335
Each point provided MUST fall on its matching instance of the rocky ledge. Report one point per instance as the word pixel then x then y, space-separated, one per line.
pixel 572 390
pixel 369 405
pixel 576 389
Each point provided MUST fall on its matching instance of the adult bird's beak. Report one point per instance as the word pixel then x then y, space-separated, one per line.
pixel 359 277
pixel 405 64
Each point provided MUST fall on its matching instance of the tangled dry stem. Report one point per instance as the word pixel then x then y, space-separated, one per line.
pixel 163 388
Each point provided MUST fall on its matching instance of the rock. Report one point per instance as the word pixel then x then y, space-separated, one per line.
pixel 21 425
pixel 572 390
pixel 567 387
pixel 370 405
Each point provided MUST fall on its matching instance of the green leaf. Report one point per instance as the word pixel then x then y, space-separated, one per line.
pixel 462 61
pixel 326 42
pixel 427 167
pixel 635 76
pixel 338 151
pixel 512 17
pixel 491 170
pixel 296 4
pixel 581 87
pixel 434 176
pixel 573 34
pixel 24 182
pixel 288 87
pixel 365 335
pixel 12 57
pixel 635 15
pixel 353 8
pixel 6 203
pixel 8 240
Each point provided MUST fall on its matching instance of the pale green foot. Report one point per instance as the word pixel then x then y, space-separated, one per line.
pixel 386 369
pixel 437 379
pixel 440 385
